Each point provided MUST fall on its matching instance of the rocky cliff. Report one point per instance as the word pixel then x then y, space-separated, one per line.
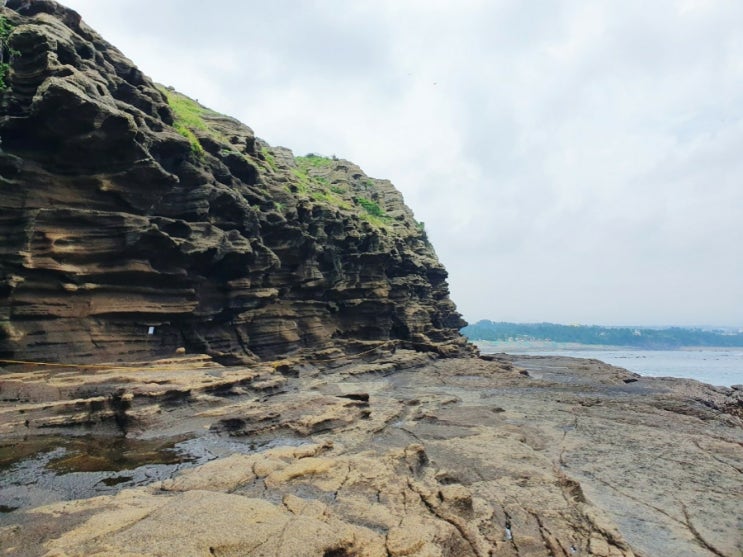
pixel 134 222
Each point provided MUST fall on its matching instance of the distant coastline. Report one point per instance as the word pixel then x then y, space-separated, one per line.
pixel 576 337
pixel 722 366
pixel 539 346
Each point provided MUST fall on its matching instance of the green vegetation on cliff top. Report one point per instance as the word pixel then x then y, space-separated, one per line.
pixel 189 116
pixel 659 339
pixel 320 189
pixel 315 161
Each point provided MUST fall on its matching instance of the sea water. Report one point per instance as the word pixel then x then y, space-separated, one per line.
pixel 716 366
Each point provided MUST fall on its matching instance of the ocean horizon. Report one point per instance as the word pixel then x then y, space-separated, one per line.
pixel 715 366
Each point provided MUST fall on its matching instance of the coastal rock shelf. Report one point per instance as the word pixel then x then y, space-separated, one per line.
pixel 212 347
pixel 134 222
pixel 407 455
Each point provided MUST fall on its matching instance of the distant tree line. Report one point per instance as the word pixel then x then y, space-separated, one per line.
pixel 668 338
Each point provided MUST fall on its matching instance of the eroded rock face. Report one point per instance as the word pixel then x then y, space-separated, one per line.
pixel 119 213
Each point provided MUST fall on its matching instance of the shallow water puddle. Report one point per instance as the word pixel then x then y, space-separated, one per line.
pixel 96 454
pixel 43 470
pixel 65 455
pixel 47 469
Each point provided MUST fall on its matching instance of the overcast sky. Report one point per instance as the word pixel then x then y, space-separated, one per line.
pixel 574 161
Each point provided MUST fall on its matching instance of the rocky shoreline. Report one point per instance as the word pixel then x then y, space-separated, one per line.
pixel 404 454
pixel 304 386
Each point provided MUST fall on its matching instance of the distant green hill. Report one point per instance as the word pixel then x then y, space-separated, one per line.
pixel 669 338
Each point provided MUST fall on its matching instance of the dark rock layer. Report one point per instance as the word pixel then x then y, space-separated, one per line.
pixel 126 206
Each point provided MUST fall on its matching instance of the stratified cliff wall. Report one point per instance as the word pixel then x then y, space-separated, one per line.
pixel 134 222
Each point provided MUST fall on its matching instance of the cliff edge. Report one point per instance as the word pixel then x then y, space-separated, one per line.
pixel 135 222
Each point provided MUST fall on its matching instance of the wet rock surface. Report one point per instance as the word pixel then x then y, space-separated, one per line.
pixel 403 455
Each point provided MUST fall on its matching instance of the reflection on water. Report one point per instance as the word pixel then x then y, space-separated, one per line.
pixel 99 454
pixel 42 470
pixel 91 453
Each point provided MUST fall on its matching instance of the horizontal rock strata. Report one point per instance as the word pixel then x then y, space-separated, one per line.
pixel 134 222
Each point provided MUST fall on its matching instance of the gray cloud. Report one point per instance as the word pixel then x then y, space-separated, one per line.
pixel 573 161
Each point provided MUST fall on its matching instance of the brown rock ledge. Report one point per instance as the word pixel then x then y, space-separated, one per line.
pixel 406 455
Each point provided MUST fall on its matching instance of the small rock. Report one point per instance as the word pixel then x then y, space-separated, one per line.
pixel 458 498
pixel 309 466
pixel 415 456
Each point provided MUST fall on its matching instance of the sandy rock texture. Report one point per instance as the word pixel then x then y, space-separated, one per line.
pixel 135 223
pixel 409 455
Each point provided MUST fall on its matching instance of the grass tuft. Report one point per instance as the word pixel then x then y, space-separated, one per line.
pixel 371 207
pixel 270 159
pixel 312 160
pixel 189 116
pixel 320 189
pixel 6 27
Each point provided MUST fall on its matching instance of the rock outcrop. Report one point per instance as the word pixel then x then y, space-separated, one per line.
pixel 134 222
pixel 408 455
pixel 136 225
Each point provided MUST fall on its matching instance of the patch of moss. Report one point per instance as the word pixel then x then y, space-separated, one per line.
pixel 189 116
pixel 186 132
pixel 303 180
pixel 6 27
pixel 371 207
pixel 270 159
pixel 319 189
pixel 373 213
pixel 327 196
pixel 378 222
pixel 4 69
pixel 316 161
pixel 187 111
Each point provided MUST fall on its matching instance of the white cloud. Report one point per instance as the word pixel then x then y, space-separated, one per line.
pixel 572 161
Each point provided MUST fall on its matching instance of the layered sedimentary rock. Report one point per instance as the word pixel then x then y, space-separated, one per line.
pixel 134 222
